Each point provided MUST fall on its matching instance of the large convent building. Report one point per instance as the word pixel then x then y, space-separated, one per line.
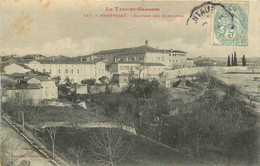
pixel 172 59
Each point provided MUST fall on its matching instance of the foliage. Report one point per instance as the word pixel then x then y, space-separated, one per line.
pixel 142 87
pixel 228 62
pixel 235 59
pixel 57 80
pixel 68 81
pixel 232 60
pixel 244 61
pixel 216 124
pixel 104 79
pixel 89 82
pixel 64 89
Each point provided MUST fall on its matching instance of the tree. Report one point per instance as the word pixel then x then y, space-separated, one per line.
pixel 104 79
pixel 235 58
pixel 68 81
pixel 228 62
pixel 34 118
pixel 57 80
pixel 89 82
pixel 76 150
pixel 194 125
pixel 244 61
pixel 52 133
pixel 21 100
pixel 232 126
pixel 232 60
pixel 158 107
pixel 108 145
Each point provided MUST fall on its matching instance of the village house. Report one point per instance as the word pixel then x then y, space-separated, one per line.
pixel 75 70
pixel 29 91
pixel 33 86
pixel 16 68
pixel 122 70
pixel 49 89
pixel 172 59
pixel 142 70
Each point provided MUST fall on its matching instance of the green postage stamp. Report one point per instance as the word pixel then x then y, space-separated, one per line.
pixel 230 24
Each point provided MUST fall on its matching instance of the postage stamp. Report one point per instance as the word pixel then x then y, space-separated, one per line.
pixel 230 24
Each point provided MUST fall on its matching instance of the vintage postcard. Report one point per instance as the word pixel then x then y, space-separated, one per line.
pixel 130 83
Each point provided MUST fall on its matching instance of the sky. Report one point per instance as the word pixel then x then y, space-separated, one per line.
pixel 60 28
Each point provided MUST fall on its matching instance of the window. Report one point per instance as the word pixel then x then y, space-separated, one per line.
pixel 43 70
pixel 169 54
pixel 59 71
pixel 50 70
pixel 169 60
pixel 78 71
pixel 71 71
pixel 66 71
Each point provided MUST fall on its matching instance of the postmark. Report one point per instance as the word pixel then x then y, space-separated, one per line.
pixel 230 25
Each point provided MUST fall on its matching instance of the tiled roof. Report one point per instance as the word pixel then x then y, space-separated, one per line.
pixel 41 78
pixel 142 63
pixel 113 51
pixel 17 75
pixel 128 62
pixel 24 86
pixel 137 50
pixel 23 65
pixel 64 60
pixel 152 64
pixel 32 56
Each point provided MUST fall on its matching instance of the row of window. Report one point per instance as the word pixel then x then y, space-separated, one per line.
pixel 70 65
pixel 127 67
pixel 72 71
pixel 175 60
pixel 177 54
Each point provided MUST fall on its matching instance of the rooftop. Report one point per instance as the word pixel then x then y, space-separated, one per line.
pixel 141 63
pixel 137 50
pixel 152 64
pixel 64 60
pixel 24 86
